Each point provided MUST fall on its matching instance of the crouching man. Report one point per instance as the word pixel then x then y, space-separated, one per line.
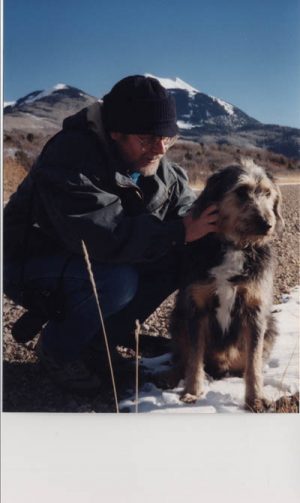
pixel 103 179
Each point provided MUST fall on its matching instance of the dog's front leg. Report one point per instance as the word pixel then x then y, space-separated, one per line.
pixel 255 400
pixel 194 372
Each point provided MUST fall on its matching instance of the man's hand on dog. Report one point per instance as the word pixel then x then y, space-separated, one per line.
pixel 199 227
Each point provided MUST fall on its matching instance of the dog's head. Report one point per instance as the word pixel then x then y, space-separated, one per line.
pixel 249 203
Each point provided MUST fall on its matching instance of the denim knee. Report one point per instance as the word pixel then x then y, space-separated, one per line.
pixel 117 288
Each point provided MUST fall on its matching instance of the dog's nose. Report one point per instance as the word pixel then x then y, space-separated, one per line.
pixel 262 226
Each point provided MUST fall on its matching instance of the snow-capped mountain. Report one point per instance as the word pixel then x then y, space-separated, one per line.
pixel 51 95
pixel 209 119
pixel 176 83
pixel 53 104
pixel 203 118
pixel 8 104
pixel 197 110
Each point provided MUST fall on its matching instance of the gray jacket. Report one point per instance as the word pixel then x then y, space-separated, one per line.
pixel 77 190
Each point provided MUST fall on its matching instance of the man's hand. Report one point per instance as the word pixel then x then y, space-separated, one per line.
pixel 199 227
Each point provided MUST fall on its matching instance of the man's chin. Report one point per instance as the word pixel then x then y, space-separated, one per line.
pixel 149 169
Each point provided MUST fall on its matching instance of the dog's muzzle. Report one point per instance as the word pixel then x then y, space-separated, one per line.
pixel 261 226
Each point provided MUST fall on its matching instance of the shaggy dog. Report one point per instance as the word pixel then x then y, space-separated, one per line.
pixel 222 322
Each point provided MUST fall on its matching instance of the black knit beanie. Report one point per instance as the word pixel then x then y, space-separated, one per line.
pixel 140 105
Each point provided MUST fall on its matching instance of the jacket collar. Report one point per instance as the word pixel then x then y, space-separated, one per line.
pixel 152 186
pixel 95 123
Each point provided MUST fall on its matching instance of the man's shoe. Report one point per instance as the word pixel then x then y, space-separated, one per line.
pixel 28 326
pixel 149 347
pixel 72 376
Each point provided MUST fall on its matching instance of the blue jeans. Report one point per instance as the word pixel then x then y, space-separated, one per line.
pixel 64 339
pixel 126 293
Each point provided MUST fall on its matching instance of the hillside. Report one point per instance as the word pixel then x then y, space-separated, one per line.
pixel 213 132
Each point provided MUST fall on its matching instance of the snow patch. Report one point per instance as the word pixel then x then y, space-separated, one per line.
pixel 43 94
pixel 175 84
pixel 185 125
pixel 227 106
pixel 281 374
pixel 8 104
pixel 59 87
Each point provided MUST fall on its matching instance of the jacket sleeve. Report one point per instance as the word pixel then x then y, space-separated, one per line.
pixel 75 209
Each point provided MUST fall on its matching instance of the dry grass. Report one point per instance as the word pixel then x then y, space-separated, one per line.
pixel 201 160
pixel 287 404
pixel 198 159
pixel 13 174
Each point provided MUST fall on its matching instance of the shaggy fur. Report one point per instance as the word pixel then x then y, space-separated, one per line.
pixel 222 321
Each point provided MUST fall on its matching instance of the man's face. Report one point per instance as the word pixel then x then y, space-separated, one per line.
pixel 141 153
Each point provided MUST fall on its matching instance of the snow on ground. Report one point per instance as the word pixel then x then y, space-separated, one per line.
pixel 281 374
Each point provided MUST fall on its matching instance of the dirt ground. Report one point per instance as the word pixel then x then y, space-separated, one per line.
pixel 27 389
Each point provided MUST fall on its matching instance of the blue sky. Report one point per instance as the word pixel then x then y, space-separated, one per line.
pixel 244 51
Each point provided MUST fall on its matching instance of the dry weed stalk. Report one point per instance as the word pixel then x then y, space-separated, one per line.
pixel 287 366
pixel 137 339
pixel 91 276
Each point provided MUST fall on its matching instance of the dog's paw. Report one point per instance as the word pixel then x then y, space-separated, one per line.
pixel 189 398
pixel 259 404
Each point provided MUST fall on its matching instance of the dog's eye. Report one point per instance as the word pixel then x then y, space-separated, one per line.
pixel 242 193
pixel 267 193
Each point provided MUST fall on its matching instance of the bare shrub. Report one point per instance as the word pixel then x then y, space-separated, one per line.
pixel 13 174
pixel 200 160
pixel 23 159
pixel 30 137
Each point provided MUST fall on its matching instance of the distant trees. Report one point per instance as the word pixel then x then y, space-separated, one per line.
pixel 200 160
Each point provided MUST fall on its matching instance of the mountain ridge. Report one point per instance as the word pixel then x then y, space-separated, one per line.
pixel 200 117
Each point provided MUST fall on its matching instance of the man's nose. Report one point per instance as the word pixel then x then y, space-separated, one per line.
pixel 159 146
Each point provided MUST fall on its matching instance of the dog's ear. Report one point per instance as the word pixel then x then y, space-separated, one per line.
pixel 217 185
pixel 277 211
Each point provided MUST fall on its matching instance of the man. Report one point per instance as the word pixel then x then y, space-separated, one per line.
pixel 103 179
